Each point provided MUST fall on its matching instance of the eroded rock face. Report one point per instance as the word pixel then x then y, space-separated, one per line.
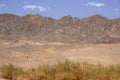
pixel 115 30
pixel 66 29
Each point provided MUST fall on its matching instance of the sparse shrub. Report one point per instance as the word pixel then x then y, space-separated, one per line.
pixel 66 70
pixel 10 72
pixel 65 76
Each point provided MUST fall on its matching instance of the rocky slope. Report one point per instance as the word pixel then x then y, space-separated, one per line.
pixel 94 29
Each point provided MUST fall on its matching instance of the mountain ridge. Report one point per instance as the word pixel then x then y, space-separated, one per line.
pixel 34 27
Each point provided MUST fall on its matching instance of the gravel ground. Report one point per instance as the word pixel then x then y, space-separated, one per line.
pixel 32 56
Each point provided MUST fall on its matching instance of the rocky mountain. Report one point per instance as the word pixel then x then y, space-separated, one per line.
pixel 94 29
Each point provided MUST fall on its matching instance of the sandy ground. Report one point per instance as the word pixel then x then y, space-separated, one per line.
pixel 31 56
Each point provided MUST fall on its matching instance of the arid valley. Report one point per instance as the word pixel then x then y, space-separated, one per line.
pixel 68 48
pixel 32 56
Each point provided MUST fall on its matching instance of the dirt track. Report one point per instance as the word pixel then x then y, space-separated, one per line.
pixel 33 56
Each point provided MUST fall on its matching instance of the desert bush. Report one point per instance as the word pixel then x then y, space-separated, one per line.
pixel 10 72
pixel 66 70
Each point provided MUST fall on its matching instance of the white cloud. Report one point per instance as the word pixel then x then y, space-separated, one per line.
pixel 116 10
pixel 29 7
pixel 2 5
pixel 32 7
pixel 42 9
pixel 95 4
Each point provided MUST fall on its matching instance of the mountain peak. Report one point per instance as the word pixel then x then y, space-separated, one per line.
pixel 67 17
pixel 97 16
pixel 8 15
pixel 30 15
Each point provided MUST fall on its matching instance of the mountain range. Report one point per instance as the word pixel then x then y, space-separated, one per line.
pixel 34 27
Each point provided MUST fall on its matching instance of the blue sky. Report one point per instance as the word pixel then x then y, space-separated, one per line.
pixel 59 8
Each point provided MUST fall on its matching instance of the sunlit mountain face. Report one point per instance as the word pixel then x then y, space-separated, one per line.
pixel 34 27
